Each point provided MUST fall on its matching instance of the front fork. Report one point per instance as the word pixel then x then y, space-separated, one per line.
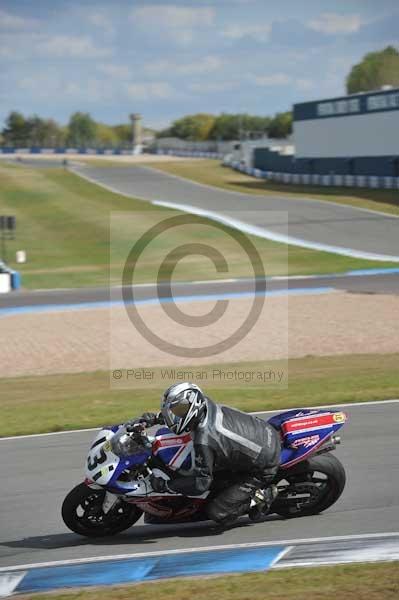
pixel 109 502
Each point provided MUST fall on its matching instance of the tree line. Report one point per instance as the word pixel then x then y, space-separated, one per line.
pixel 81 131
pixel 204 126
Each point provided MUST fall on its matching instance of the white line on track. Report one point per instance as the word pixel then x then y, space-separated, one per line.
pixel 253 229
pixel 258 412
pixel 268 234
pixel 77 561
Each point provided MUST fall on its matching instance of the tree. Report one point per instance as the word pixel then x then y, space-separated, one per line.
pixel 16 131
pixel 375 70
pixel 281 125
pixel 123 133
pixel 239 126
pixel 106 135
pixel 226 127
pixel 32 131
pixel 193 127
pixel 44 132
pixel 81 130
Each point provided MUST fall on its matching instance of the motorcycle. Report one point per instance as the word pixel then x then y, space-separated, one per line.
pixel 117 489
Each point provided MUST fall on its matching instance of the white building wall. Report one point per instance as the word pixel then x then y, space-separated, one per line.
pixel 352 135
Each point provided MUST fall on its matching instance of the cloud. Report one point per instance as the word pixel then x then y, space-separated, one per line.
pixel 177 23
pixel 69 46
pixel 102 20
pixel 51 83
pixel 170 15
pixel 292 33
pixel 258 32
pixel 9 21
pixel 333 23
pixel 283 79
pixel 384 30
pixel 305 84
pixel 208 64
pixel 30 45
pixel 212 87
pixel 272 80
pixel 115 71
pixel 159 90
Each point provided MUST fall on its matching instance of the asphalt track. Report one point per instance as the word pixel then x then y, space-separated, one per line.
pixel 383 282
pixel 312 223
pixel 37 472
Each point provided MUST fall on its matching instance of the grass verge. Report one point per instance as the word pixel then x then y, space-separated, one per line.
pixel 63 224
pixel 211 172
pixel 62 402
pixel 343 582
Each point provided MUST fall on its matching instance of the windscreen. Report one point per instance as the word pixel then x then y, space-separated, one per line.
pixel 124 444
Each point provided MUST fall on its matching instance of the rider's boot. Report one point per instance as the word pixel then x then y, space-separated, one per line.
pixel 262 502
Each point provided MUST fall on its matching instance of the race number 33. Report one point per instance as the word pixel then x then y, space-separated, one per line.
pixel 97 459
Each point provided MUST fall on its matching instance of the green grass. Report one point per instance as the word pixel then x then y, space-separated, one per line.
pixel 378 581
pixel 212 172
pixel 61 402
pixel 63 224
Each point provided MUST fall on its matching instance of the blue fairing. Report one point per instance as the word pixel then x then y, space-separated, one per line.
pixel 127 462
pixel 166 454
pixel 298 445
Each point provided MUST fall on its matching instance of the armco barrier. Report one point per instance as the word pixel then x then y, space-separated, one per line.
pixel 50 151
pixel 107 151
pixel 365 181
pixel 190 153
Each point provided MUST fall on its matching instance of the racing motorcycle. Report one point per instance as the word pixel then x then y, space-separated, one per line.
pixel 117 489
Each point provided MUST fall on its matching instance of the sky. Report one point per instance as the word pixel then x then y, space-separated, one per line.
pixel 165 59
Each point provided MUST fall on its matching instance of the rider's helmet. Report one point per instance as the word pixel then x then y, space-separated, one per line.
pixel 183 406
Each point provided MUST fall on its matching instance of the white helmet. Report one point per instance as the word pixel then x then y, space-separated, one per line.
pixel 183 406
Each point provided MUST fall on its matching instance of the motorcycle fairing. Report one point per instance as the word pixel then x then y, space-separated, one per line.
pixel 175 451
pixel 302 432
pixel 105 468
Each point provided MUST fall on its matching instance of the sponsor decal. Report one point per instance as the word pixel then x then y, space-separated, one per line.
pixel 339 417
pixel 107 446
pixel 303 423
pixel 306 442
pixel 164 442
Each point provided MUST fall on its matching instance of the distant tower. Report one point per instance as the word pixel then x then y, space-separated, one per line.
pixel 137 146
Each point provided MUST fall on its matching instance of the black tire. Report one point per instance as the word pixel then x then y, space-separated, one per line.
pixel 322 492
pixel 93 522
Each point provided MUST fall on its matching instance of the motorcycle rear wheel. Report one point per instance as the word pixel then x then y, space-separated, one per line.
pixel 309 487
pixel 82 513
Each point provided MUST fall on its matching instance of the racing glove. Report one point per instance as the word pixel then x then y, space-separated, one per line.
pixel 146 420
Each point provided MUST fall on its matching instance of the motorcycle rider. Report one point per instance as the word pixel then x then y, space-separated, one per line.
pixel 225 439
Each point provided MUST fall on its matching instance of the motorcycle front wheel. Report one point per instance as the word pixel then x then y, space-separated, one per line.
pixel 82 513
pixel 309 487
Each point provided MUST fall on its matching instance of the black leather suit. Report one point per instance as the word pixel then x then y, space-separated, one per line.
pixel 228 440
